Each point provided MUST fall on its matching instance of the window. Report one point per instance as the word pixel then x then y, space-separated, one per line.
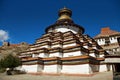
pixel 99 40
pixel 118 39
pixel 115 37
pixel 102 39
pixel 111 38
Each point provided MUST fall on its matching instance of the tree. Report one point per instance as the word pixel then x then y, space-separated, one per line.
pixel 10 62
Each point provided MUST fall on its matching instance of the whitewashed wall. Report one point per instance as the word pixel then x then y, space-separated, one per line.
pixel 67 45
pixel 30 68
pixel 92 54
pixel 45 46
pixel 65 29
pixel 94 47
pixel 50 69
pixel 43 55
pixel 76 53
pixel 85 47
pixel 103 68
pixel 40 68
pixel 101 55
pixel 112 60
pixel 53 46
pixel 56 54
pixel 75 69
pixel 35 55
pixel 32 48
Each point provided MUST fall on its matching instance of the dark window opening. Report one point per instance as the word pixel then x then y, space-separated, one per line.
pixel 117 67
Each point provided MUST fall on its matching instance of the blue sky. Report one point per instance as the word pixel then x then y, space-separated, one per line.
pixel 26 20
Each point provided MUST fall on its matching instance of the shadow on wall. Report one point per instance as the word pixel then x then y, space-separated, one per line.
pixel 94 68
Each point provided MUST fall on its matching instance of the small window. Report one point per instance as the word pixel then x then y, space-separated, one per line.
pixel 116 49
pixel 114 37
pixel 102 39
pixel 118 39
pixel 99 40
pixel 111 38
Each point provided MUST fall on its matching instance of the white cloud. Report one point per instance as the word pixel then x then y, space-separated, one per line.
pixel 4 35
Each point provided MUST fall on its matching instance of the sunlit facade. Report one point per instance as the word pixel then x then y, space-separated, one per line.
pixel 64 49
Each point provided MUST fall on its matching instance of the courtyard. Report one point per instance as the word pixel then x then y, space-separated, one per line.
pixel 98 76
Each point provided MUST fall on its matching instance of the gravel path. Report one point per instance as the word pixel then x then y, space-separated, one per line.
pixel 99 76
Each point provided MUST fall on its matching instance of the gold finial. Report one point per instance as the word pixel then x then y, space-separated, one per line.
pixel 65 13
pixel 64 17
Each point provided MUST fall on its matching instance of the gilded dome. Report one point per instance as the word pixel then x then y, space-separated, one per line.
pixel 65 13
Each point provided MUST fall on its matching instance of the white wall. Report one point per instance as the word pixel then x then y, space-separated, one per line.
pixel 103 68
pixel 50 69
pixel 65 29
pixel 76 53
pixel 30 68
pixel 45 46
pixel 32 48
pixel 101 55
pixel 112 60
pixel 75 69
pixel 94 47
pixel 85 47
pixel 40 68
pixel 66 69
pixel 43 55
pixel 92 54
pixel 56 54
pixel 53 46
pixel 67 45
pixel 35 55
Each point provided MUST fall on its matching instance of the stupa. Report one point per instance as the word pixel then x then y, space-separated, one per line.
pixel 64 49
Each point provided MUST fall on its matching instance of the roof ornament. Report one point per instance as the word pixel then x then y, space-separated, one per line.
pixel 64 14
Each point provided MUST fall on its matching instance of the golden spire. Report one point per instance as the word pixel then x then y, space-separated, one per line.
pixel 65 13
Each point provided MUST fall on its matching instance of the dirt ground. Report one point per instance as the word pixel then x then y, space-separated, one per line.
pixel 98 76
